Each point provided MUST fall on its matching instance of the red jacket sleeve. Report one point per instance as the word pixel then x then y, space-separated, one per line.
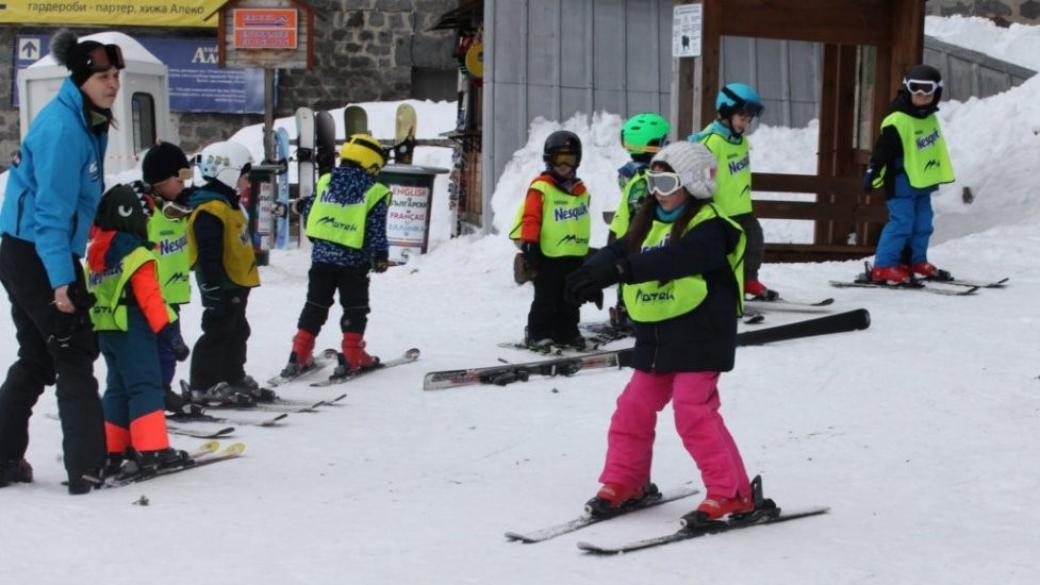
pixel 145 285
pixel 531 224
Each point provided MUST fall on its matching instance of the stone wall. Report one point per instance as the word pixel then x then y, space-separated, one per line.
pixel 1003 12
pixel 365 50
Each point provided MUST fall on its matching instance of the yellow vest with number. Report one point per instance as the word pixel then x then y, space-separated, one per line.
pixel 239 259
pixel 109 287
pixel 733 194
pixel 566 224
pixel 925 158
pixel 343 224
pixel 652 302
pixel 632 195
pixel 170 237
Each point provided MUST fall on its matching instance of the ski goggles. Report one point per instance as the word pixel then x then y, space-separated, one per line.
pixel 663 183
pixel 922 86
pixel 105 57
pixel 563 158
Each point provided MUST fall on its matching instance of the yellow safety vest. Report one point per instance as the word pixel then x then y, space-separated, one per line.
pixel 109 287
pixel 925 158
pixel 566 225
pixel 632 195
pixel 239 260
pixel 170 237
pixel 733 193
pixel 343 224
pixel 652 302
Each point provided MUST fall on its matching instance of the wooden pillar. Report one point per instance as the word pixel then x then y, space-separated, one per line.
pixel 710 60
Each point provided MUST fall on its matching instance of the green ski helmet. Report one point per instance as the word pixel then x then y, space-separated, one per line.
pixel 645 133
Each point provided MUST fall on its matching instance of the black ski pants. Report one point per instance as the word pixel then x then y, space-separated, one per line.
pixel 755 250
pixel 551 316
pixel 220 352
pixel 323 281
pixel 43 361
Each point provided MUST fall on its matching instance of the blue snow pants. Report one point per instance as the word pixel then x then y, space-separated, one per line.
pixel 909 225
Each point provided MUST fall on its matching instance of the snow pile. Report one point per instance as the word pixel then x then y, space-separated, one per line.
pixel 1018 44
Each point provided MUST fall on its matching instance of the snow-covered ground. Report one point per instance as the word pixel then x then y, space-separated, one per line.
pixel 919 432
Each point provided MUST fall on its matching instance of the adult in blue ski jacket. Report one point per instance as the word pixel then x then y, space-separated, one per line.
pixel 53 190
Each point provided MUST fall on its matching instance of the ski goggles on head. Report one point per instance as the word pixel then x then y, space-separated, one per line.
pixel 922 86
pixel 662 182
pixel 104 58
pixel 563 158
pixel 751 109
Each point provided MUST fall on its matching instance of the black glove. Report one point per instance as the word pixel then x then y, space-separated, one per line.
pixel 532 254
pixel 171 338
pixel 586 284
pixel 380 263
pixel 65 325
pixel 868 179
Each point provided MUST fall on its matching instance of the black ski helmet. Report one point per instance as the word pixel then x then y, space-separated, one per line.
pixel 562 141
pixel 924 72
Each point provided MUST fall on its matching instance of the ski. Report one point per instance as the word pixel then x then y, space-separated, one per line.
pixel 506 374
pixel 836 323
pixel 913 285
pixel 233 451
pixel 1002 283
pixel 785 305
pixel 584 520
pixel 299 406
pixel 552 349
pixel 568 365
pixel 406 358
pixel 270 421
pixel 756 518
pixel 217 434
pixel 319 362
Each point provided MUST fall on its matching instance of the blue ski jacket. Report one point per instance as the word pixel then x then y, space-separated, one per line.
pixel 55 184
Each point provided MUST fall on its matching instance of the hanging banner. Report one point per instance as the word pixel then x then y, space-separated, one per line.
pixel 164 13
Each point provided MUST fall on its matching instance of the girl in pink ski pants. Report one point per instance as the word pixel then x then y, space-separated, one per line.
pixel 695 400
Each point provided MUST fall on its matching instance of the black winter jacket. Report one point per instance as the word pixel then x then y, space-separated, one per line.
pixel 705 339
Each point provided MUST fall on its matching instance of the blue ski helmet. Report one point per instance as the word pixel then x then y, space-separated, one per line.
pixel 738 97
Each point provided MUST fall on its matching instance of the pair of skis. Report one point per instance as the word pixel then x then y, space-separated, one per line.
pixel 569 365
pixel 342 375
pixel 207 454
pixel 766 512
pixel 962 287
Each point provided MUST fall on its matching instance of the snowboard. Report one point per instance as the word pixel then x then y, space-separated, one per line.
pixel 305 156
pixel 281 142
pixel 355 121
pixel 404 134
pixel 325 140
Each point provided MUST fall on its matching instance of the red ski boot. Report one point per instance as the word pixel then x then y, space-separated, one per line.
pixel 759 291
pixel 354 352
pixel 302 355
pixel 889 275
pixel 716 507
pixel 613 499
pixel 928 271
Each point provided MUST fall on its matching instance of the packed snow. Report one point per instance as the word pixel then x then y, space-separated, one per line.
pixel 919 432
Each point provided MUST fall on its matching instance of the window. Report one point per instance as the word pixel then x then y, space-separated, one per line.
pixel 142 105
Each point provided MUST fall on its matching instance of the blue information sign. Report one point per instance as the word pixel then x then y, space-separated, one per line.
pixel 197 83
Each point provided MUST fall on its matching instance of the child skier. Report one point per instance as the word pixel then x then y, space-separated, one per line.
pixel 737 105
pixel 553 229
pixel 346 221
pixel 221 253
pixel 131 319
pixel 910 161
pixel 164 170
pixel 642 136
pixel 680 262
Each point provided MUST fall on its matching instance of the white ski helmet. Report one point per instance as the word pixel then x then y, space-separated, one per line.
pixel 225 162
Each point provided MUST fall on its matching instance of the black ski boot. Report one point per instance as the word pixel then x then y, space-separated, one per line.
pixel 150 462
pixel 247 385
pixel 15 471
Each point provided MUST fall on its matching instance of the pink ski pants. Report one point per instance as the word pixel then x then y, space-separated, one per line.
pixel 630 442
